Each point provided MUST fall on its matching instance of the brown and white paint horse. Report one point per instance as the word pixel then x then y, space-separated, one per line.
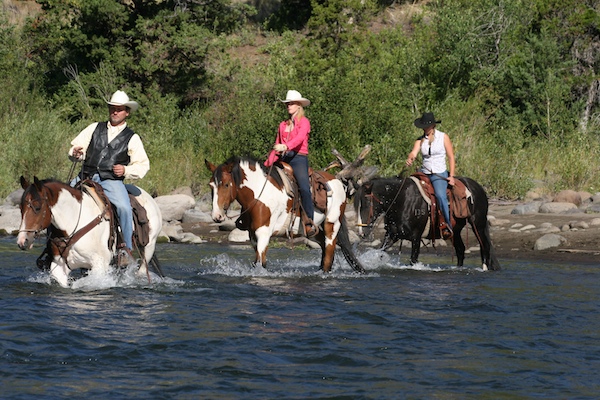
pixel 82 223
pixel 266 209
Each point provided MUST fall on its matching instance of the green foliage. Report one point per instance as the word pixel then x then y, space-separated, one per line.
pixel 511 81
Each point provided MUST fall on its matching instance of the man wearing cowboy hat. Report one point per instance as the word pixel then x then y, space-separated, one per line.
pixel 112 152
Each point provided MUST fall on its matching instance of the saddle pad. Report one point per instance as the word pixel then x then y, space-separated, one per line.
pixel 421 189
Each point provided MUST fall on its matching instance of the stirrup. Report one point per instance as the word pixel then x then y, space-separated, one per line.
pixel 446 231
pixel 310 229
pixel 125 258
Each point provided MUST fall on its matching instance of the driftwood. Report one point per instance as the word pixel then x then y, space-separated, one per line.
pixel 353 174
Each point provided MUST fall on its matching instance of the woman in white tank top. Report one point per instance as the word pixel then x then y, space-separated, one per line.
pixel 435 147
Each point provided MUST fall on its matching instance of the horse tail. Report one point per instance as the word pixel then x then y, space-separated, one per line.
pixel 156 266
pixel 494 263
pixel 346 246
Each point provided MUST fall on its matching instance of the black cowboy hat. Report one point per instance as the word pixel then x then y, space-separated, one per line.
pixel 426 120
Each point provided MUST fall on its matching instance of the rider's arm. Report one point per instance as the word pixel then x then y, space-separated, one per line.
pixel 412 156
pixel 139 164
pixel 83 141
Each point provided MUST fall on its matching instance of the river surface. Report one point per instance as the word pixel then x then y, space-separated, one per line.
pixel 216 328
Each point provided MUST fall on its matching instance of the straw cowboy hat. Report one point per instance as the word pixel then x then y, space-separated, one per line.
pixel 120 98
pixel 426 120
pixel 294 95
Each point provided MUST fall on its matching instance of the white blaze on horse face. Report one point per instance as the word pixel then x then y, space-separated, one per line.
pixel 218 215
pixel 25 239
pixel 359 221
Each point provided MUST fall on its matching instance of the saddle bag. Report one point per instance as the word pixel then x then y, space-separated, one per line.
pixel 141 227
pixel 320 188
pixel 459 197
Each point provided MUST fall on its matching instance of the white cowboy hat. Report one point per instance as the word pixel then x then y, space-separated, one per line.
pixel 294 95
pixel 120 98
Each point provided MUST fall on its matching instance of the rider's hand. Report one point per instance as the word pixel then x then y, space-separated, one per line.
pixel 78 152
pixel 119 170
pixel 280 148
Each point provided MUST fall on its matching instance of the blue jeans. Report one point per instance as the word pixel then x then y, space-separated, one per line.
pixel 117 194
pixel 299 164
pixel 440 185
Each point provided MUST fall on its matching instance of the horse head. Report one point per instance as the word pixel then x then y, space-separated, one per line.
pixel 35 212
pixel 367 209
pixel 223 188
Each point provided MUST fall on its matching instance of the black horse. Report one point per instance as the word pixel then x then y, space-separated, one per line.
pixel 407 216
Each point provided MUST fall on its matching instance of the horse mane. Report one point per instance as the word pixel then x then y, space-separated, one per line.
pixel 236 171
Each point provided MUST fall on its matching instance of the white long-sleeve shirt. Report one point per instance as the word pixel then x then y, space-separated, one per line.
pixel 139 164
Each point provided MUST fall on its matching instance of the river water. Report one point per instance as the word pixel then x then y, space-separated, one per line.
pixel 216 328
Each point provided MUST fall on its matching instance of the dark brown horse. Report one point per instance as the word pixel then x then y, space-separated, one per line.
pixel 407 216
pixel 267 208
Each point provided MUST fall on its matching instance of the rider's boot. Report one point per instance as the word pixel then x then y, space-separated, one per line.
pixel 125 258
pixel 445 230
pixel 310 228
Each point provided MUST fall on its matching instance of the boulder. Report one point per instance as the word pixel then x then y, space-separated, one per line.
pixel 173 206
pixel 548 241
pixel 568 196
pixel 557 208
pixel 527 208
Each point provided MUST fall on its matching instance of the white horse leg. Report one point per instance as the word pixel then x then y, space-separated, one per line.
pixel 60 272
pixel 263 235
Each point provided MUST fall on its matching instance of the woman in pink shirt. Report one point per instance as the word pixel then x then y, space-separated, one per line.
pixel 291 146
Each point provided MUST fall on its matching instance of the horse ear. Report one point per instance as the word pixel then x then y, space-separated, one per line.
pixel 24 182
pixel 37 182
pixel 211 167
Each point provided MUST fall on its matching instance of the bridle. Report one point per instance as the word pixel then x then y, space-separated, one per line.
pixel 36 210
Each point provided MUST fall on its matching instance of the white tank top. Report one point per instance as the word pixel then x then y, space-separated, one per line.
pixel 434 154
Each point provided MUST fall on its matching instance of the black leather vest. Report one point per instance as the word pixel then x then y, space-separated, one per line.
pixel 101 155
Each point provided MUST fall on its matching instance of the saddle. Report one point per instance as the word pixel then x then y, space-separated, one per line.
pixel 459 197
pixel 319 185
pixel 141 228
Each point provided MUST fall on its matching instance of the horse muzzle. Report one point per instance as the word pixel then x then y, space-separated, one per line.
pixel 25 240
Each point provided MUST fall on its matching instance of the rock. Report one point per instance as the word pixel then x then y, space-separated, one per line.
pixel 595 222
pixel 194 216
pixel 10 219
pixel 594 208
pixel 548 241
pixel 173 231
pixel 556 208
pixel 579 225
pixel 567 196
pixel 204 203
pixel 527 228
pixel 14 199
pixel 173 206
pixel 528 208
pixel 188 237
pixel 238 236
pixel 586 197
pixel 497 221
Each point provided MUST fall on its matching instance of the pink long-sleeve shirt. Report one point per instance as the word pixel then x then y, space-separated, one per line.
pixel 296 140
